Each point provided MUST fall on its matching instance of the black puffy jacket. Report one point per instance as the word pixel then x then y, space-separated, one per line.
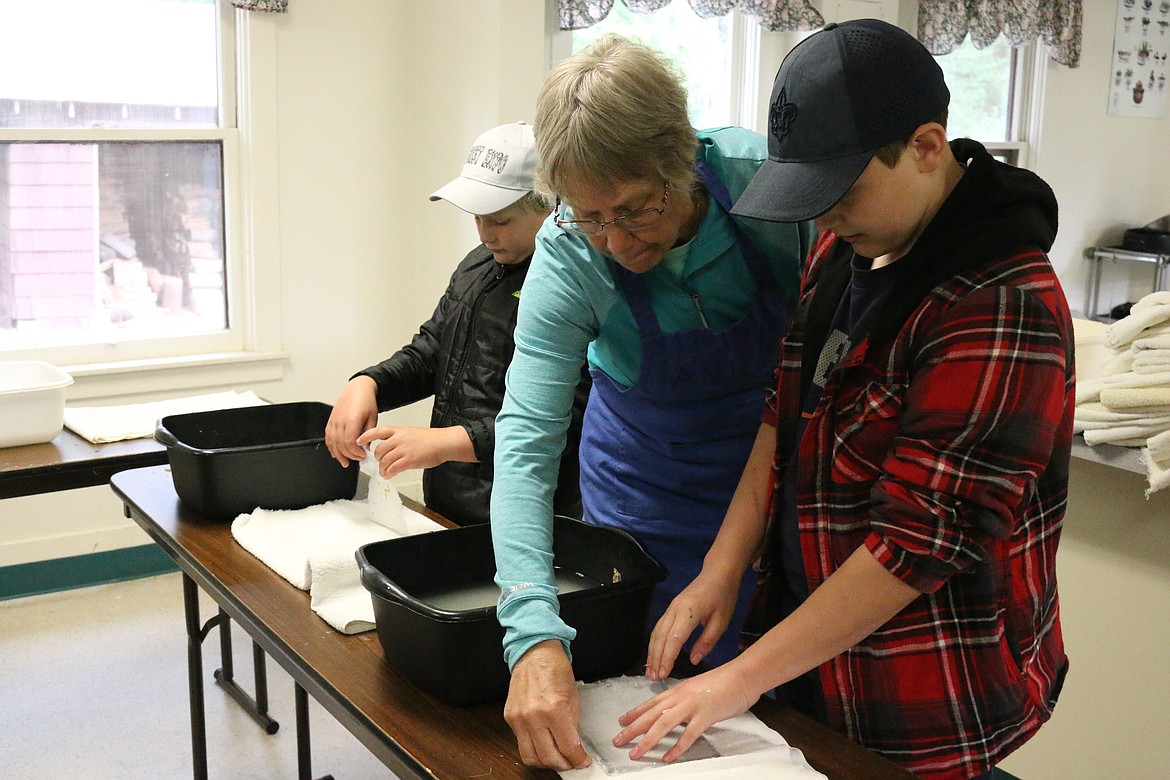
pixel 460 356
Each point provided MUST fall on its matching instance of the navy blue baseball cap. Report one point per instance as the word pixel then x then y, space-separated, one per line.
pixel 840 95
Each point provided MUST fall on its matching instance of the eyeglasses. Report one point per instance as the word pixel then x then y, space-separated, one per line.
pixel 632 222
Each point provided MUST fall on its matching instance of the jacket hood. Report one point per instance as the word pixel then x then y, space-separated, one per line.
pixel 995 211
pixel 1009 208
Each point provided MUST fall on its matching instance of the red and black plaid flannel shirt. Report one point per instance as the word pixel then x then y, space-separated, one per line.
pixel 944 451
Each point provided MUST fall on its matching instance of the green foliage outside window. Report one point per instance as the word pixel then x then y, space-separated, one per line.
pixel 700 47
pixel 980 81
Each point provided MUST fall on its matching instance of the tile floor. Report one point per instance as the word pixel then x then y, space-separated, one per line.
pixel 93 684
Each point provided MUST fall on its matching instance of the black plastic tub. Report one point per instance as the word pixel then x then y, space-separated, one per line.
pixel 231 461
pixel 1147 239
pixel 434 605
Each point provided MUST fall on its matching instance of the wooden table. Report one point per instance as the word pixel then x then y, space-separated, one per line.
pixel 411 732
pixel 69 461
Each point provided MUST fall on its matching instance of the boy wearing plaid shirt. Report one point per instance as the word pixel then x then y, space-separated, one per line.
pixel 909 480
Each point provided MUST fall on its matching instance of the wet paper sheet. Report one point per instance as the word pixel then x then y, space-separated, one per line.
pixel 741 747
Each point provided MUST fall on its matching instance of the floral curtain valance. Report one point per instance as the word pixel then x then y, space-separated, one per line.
pixel 773 15
pixel 943 24
pixel 266 6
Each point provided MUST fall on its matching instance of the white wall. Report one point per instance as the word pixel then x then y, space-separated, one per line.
pixel 1113 569
pixel 1109 173
pixel 378 101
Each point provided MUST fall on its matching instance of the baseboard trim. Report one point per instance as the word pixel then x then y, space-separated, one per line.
pixel 82 571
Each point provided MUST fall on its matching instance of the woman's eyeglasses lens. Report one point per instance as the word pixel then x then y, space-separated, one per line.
pixel 638 220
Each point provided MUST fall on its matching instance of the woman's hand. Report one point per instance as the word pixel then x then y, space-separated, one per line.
pixel 403 448
pixel 356 410
pixel 543 709
pixel 698 702
pixel 708 601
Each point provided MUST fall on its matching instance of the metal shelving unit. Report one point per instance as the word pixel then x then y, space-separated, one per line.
pixel 1098 255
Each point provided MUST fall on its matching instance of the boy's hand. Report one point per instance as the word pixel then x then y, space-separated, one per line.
pixel 355 411
pixel 403 448
pixel 697 702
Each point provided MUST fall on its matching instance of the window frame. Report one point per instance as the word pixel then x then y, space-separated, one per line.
pixel 1027 94
pixel 249 350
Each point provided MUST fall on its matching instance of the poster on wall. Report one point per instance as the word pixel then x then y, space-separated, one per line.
pixel 1141 41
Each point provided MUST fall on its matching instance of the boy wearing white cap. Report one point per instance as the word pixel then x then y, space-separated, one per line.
pixel 911 481
pixel 461 354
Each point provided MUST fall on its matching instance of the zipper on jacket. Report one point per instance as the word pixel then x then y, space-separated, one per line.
pixel 699 309
pixel 472 321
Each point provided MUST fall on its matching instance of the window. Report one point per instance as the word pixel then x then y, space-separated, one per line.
pixel 118 148
pixel 993 90
pixel 993 96
pixel 713 54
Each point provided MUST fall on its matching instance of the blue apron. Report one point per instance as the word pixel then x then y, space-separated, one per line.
pixel 662 458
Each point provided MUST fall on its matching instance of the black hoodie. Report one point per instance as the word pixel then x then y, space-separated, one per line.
pixel 994 211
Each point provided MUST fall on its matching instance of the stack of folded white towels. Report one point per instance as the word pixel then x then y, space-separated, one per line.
pixel 1123 385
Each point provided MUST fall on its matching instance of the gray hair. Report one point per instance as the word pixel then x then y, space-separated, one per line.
pixel 614 112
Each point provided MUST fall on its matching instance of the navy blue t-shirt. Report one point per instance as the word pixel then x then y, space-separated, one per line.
pixel 867 287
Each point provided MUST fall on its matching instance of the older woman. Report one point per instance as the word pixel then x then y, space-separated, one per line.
pixel 678 309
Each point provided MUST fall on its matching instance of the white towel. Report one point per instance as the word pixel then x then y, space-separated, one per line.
pixel 1151 361
pixel 1117 363
pixel 1095 411
pixel 1123 435
pixel 287 539
pixel 1152 423
pixel 1130 379
pixel 1159 447
pixel 1126 329
pixel 1090 390
pixel 734 749
pixel 1155 400
pixel 1147 342
pixel 1143 426
pixel 1157 473
pixel 1091 352
pixel 338 596
pixel 313 548
pixel 1149 300
pixel 99 424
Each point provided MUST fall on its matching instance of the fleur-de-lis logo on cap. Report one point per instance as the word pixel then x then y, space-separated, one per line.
pixel 781 115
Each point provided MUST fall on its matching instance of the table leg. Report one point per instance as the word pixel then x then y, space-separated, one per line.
pixel 195 678
pixel 225 676
pixel 260 684
pixel 304 749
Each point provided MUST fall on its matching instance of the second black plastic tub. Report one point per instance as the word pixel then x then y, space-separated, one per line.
pixel 435 605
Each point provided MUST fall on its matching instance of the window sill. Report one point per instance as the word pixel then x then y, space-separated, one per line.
pixel 92 381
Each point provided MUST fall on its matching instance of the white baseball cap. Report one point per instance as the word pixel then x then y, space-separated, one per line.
pixel 499 171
